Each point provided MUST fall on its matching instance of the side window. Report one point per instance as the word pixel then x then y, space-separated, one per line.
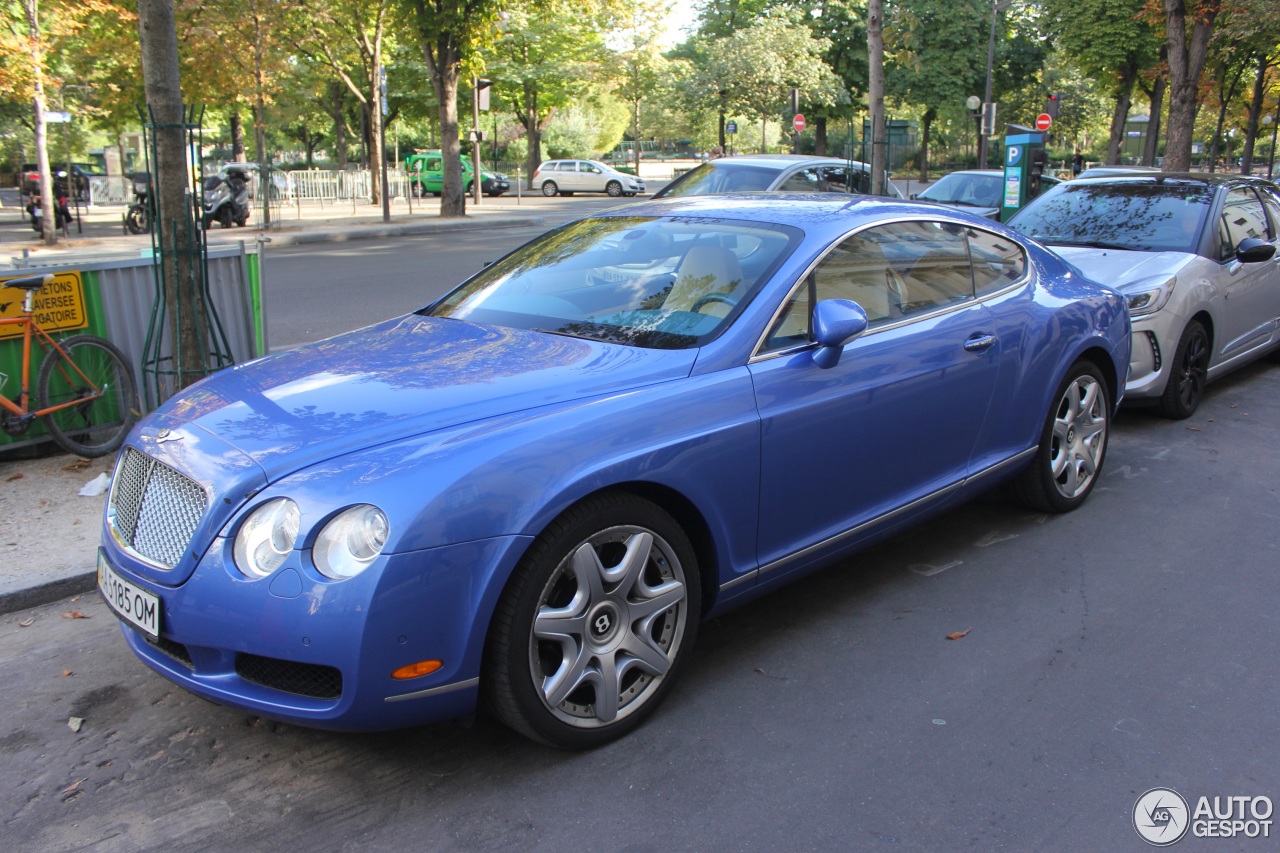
pixel 892 271
pixel 997 261
pixel 834 179
pixel 434 164
pixel 804 181
pixel 1242 217
pixel 933 259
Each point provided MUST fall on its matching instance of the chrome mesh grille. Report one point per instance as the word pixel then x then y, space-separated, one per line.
pixel 154 509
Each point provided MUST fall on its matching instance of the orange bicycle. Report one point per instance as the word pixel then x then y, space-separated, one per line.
pixel 86 394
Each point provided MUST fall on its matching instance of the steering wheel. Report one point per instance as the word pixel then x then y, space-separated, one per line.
pixel 713 297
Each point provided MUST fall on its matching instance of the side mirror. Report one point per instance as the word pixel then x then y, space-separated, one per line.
pixel 914 196
pixel 1253 251
pixel 836 322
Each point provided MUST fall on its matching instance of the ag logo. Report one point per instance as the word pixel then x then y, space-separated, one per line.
pixel 1161 816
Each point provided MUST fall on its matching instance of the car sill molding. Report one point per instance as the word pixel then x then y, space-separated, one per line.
pixel 940 494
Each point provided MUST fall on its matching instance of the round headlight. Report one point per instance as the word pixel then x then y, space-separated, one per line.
pixel 350 542
pixel 266 538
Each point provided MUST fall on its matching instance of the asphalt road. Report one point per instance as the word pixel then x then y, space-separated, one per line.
pixel 1126 646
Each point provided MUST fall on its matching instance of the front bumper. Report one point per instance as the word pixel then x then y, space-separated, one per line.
pixel 1155 337
pixel 305 650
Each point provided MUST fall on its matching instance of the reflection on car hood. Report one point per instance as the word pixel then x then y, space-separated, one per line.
pixel 405 377
pixel 1118 267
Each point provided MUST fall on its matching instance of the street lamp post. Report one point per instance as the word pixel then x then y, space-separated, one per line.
pixel 1271 158
pixel 987 106
pixel 974 104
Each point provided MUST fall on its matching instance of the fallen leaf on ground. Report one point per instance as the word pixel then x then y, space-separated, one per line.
pixel 767 675
pixel 28 622
pixel 66 673
pixel 74 614
pixel 75 723
pixel 73 786
pixel 958 634
pixel 78 465
pixel 1195 429
pixel 12 477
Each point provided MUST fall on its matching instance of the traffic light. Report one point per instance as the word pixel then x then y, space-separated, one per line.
pixel 1052 104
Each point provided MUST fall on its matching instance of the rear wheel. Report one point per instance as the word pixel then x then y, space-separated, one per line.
pixel 136 219
pixel 1190 371
pixel 1073 444
pixel 97 374
pixel 595 623
pixel 549 188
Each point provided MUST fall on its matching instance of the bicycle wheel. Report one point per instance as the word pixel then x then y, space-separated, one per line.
pixel 98 425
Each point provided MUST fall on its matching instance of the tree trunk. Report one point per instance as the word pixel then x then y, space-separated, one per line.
pixel 444 79
pixel 237 136
pixel 926 123
pixel 1255 115
pixel 49 217
pixel 1186 61
pixel 875 92
pixel 533 132
pixel 820 136
pixel 1124 96
pixel 1152 146
pixel 185 310
pixel 375 142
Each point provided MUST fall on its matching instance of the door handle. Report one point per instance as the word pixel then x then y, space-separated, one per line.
pixel 979 342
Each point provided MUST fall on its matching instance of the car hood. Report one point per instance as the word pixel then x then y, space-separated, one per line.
pixel 400 378
pixel 976 210
pixel 1118 267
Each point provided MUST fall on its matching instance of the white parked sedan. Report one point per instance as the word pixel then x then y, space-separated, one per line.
pixel 566 177
pixel 1195 255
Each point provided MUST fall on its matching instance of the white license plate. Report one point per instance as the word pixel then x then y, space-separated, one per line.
pixel 130 602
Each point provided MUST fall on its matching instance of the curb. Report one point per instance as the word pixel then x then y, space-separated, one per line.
pixel 291 237
pixel 47 593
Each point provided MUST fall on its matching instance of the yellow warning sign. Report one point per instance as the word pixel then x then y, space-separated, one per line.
pixel 59 305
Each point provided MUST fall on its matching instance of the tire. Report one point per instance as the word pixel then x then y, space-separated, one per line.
pixel 614 189
pixel 136 220
pixel 567 624
pixel 549 188
pixel 1073 444
pixel 416 189
pixel 1188 374
pixel 99 425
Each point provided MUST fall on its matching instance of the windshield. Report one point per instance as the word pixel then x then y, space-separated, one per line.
pixel 720 177
pixel 661 283
pixel 1143 216
pixel 966 189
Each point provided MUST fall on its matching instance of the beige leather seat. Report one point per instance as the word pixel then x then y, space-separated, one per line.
pixel 705 269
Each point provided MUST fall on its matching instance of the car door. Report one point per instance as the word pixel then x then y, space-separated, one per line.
pixel 590 178
pixel 896 420
pixel 1251 305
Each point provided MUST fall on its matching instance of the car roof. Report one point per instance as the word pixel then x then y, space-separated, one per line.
pixel 1202 178
pixel 826 214
pixel 780 161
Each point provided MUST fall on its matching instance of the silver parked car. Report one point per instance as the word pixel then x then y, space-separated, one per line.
pixel 566 177
pixel 1196 257
pixel 788 173
pixel 978 191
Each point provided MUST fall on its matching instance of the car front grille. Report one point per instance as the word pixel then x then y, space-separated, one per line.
pixel 154 509
pixel 304 679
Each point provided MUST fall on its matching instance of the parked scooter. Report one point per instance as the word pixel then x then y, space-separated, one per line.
pixel 226 198
pixel 61 210
pixel 138 217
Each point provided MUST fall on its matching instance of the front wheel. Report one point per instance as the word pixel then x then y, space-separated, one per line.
pixel 549 188
pixel 594 625
pixel 137 220
pixel 614 189
pixel 1188 374
pixel 94 377
pixel 1073 444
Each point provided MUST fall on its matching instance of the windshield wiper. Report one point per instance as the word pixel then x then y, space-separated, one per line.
pixel 1088 244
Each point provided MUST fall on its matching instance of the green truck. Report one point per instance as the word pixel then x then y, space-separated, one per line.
pixel 426 175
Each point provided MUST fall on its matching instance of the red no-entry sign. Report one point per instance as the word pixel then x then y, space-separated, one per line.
pixel 1043 121
pixel 798 122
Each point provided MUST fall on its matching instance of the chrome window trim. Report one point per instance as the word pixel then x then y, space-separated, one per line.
pixel 758 354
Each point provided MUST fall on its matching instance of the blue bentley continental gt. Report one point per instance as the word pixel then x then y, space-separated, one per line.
pixel 529 493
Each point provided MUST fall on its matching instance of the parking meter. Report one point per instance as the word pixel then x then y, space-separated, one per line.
pixel 1025 161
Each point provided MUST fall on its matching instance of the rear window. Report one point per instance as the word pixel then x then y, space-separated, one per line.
pixel 721 177
pixel 1140 215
